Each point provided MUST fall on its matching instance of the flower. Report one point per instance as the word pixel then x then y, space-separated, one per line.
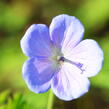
pixel 58 59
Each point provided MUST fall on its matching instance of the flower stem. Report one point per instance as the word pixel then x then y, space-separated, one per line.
pixel 50 100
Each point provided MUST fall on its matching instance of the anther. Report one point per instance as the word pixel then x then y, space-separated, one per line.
pixel 62 59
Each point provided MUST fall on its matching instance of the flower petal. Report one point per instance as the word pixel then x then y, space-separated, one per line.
pixel 68 83
pixel 38 73
pixel 87 53
pixel 65 27
pixel 36 41
pixel 74 34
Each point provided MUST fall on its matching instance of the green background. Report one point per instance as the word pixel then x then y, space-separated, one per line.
pixel 16 16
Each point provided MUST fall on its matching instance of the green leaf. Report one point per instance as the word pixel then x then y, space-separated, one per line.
pixel 15 101
pixel 3 96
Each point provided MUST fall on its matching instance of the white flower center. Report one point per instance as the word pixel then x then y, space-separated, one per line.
pixel 58 59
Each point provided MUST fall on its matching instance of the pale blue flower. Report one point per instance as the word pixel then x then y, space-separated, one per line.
pixel 58 59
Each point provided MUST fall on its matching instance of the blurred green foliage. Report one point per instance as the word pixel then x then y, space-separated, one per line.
pixel 16 101
pixel 15 18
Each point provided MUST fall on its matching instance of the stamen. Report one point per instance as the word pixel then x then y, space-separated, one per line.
pixel 79 65
pixel 62 59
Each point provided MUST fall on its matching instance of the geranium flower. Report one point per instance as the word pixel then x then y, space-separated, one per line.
pixel 58 59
